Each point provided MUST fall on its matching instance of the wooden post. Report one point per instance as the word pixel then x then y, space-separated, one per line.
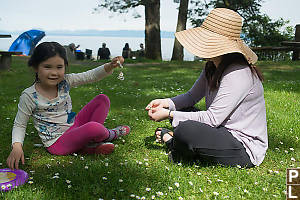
pixel 5 62
pixel 297 39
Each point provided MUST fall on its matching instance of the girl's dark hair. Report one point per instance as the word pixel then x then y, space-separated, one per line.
pixel 214 74
pixel 45 51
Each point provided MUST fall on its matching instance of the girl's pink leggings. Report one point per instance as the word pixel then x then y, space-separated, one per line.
pixel 88 127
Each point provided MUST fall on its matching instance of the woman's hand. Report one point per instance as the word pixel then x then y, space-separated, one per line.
pixel 15 156
pixel 115 62
pixel 158 114
pixel 158 103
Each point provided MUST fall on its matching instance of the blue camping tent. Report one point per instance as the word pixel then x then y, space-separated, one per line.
pixel 26 41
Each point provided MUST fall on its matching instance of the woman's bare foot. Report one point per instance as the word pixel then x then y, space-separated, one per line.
pixel 168 134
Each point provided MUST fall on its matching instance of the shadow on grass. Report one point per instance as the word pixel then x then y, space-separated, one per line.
pixel 151 144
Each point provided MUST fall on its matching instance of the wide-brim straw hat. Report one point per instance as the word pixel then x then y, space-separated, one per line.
pixel 219 34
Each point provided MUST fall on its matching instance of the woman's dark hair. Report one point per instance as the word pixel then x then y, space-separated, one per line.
pixel 214 74
pixel 45 51
pixel 126 47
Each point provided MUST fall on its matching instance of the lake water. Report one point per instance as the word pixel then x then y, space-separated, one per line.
pixel 115 44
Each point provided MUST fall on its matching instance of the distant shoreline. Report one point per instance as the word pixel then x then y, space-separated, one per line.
pixel 106 33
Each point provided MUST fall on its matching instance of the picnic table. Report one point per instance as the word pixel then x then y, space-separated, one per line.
pixel 286 46
pixel 5 36
pixel 5 59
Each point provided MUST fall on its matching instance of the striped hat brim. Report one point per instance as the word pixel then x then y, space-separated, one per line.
pixel 207 44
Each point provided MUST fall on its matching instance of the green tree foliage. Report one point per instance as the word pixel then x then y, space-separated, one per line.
pixel 256 26
pixel 152 21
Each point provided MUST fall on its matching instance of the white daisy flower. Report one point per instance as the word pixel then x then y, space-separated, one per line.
pixel 200 190
pixel 121 190
pixel 86 167
pixel 148 189
pixel 292 149
pixel 153 197
pixel 176 184
pixel 170 188
pixel 190 182
pixel 180 198
pixel 159 193
pixel 104 178
pixel 132 195
pixel 293 159
pixel 216 193
pixel 69 186
pixel 106 164
pixel 284 192
pixel 68 181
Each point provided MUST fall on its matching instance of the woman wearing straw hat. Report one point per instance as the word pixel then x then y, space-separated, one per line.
pixel 233 129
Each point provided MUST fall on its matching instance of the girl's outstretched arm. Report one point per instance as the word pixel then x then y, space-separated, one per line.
pixel 15 156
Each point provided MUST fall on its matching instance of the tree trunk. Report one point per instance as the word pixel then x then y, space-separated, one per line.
pixel 152 30
pixel 181 25
pixel 296 53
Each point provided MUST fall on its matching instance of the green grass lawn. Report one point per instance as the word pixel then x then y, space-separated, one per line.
pixel 139 167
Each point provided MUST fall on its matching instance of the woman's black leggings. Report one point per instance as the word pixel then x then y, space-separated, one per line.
pixel 194 139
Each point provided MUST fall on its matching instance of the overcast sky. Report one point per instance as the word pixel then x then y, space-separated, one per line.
pixel 78 15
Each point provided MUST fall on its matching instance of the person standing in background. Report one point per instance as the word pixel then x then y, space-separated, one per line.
pixel 103 53
pixel 141 52
pixel 126 53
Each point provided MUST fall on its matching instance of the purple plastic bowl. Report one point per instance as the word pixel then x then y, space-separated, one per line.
pixel 10 179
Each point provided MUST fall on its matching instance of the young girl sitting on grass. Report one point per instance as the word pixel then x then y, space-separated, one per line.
pixel 49 103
